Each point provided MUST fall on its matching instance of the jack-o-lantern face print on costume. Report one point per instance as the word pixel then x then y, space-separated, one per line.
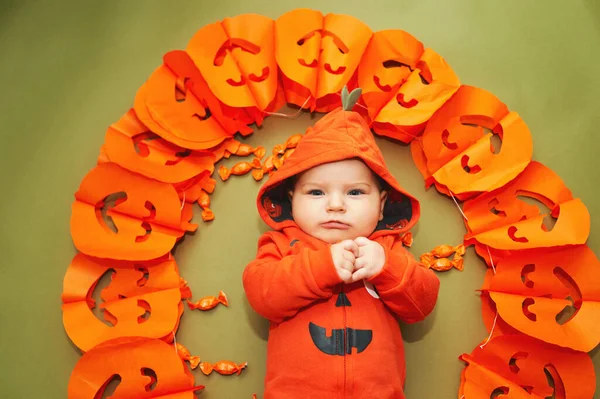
pixel 142 368
pixel 237 59
pixel 317 55
pixel 142 299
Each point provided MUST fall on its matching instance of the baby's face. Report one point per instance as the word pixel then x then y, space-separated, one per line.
pixel 337 201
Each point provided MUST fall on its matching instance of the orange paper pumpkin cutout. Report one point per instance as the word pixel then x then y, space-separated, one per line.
pixel 148 369
pixel 130 144
pixel 148 220
pixel 512 366
pixel 136 290
pixel 422 93
pixel 237 58
pixel 388 61
pixel 176 104
pixel 501 221
pixel 532 288
pixel 456 126
pixel 317 56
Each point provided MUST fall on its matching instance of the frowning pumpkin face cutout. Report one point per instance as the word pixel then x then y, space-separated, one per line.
pixel 501 220
pixel 130 144
pixel 318 55
pixel 422 93
pixel 143 299
pixel 515 366
pixel 139 367
pixel 237 59
pixel 388 61
pixel 146 215
pixel 550 294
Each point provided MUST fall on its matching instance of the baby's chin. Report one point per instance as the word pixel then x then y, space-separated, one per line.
pixel 333 236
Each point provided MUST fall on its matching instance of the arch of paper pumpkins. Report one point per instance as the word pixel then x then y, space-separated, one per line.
pixel 158 159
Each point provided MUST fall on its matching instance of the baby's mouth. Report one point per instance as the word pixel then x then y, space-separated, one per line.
pixel 335 225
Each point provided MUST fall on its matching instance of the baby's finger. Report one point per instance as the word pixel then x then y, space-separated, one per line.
pixel 361 241
pixel 360 274
pixel 359 263
pixel 351 246
pixel 348 265
pixel 349 256
pixel 345 275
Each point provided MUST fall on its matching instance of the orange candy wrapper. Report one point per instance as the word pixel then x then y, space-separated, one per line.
pixel 514 367
pixel 185 355
pixel 209 302
pixel 223 367
pixel 534 289
pixel 148 220
pixel 290 143
pixel 437 259
pixel 317 56
pixel 239 169
pixel 143 299
pixel 144 368
pixel 204 202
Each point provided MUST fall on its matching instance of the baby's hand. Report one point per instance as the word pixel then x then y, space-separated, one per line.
pixel 343 255
pixel 370 259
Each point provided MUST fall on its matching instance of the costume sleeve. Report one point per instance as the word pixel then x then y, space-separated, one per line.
pixel 278 287
pixel 408 288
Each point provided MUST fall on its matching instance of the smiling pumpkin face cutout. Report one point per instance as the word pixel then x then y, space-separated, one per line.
pixel 141 368
pixel 550 294
pixel 504 220
pixel 389 59
pixel 132 145
pixel 517 366
pixel 318 55
pixel 237 59
pixel 142 299
pixel 420 95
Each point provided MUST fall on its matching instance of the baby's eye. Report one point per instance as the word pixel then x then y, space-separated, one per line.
pixel 315 192
pixel 356 192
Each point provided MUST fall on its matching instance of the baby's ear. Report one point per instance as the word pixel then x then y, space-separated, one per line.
pixel 382 197
pixel 290 194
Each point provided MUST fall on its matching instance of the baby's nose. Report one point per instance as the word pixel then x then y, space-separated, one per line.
pixel 336 204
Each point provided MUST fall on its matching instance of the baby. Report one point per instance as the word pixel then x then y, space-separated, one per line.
pixel 333 276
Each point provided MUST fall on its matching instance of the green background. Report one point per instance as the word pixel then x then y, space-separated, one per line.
pixel 69 69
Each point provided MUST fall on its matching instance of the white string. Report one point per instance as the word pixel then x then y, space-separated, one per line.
pixel 459 208
pixel 290 116
pixel 495 317
pixel 182 202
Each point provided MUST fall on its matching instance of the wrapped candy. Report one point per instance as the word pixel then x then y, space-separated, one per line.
pixel 239 169
pixel 245 150
pixel 209 302
pixel 437 259
pixel 407 239
pixel 204 202
pixel 223 367
pixel 185 355
pixel 290 143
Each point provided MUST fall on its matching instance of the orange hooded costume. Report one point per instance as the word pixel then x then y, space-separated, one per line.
pixel 328 339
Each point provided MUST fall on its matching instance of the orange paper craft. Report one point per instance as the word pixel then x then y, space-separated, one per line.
pixel 317 56
pixel 144 368
pixel 532 288
pixel 501 221
pixel 388 61
pixel 136 290
pixel 513 366
pixel 237 58
pixel 133 146
pixel 421 94
pixel 148 219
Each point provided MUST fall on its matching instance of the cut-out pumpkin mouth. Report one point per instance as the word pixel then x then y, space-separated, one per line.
pixel 341 341
pixel 313 64
pixel 406 104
